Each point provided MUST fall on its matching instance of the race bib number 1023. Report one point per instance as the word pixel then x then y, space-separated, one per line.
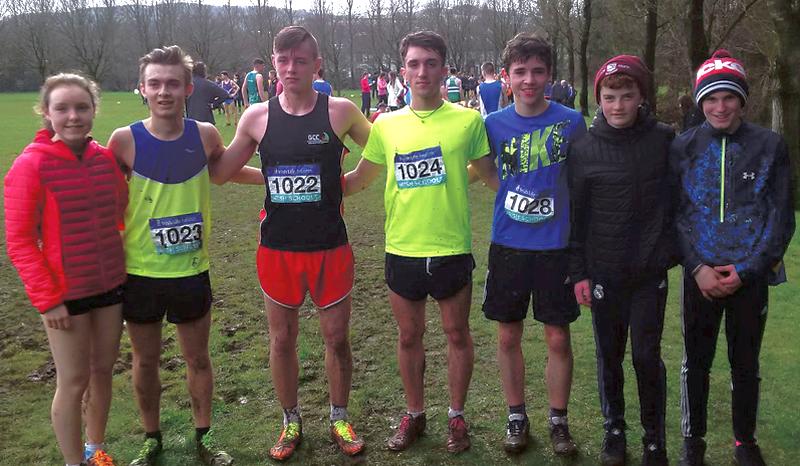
pixel 529 209
pixel 421 168
pixel 178 234
pixel 294 184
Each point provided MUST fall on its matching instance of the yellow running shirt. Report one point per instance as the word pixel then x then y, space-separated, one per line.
pixel 426 156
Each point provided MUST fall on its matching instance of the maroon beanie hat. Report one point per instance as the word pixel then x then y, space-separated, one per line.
pixel 721 72
pixel 630 65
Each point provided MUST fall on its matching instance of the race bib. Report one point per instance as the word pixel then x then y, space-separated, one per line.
pixel 421 168
pixel 294 184
pixel 178 234
pixel 529 209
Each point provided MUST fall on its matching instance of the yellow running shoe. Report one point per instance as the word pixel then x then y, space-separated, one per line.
pixel 288 442
pixel 342 433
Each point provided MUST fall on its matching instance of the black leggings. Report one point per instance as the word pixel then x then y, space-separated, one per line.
pixel 745 317
pixel 365 103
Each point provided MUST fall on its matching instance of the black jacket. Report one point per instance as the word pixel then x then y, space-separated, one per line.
pixel 735 204
pixel 621 208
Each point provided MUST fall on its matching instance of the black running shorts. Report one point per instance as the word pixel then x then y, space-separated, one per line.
pixel 415 278
pixel 147 300
pixel 516 274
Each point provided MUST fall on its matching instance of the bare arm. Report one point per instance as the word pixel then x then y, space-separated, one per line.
pixel 485 168
pixel 245 97
pixel 363 175
pixel 229 163
pixel 260 86
pixel 121 145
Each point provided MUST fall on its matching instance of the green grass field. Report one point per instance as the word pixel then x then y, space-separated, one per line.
pixel 246 413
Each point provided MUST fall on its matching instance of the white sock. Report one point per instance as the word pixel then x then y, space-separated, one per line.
pixel 90 448
pixel 451 413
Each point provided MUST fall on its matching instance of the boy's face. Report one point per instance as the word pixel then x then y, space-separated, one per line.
pixel 723 110
pixel 424 71
pixel 527 81
pixel 296 67
pixel 166 90
pixel 621 106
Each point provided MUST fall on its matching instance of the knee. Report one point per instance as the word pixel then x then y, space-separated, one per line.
pixel 558 340
pixel 282 343
pixel 509 342
pixel 410 339
pixel 337 344
pixel 646 359
pixel 74 384
pixel 199 362
pixel 458 336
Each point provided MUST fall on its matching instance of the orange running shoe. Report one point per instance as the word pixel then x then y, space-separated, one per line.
pixel 288 442
pixel 342 433
pixel 100 458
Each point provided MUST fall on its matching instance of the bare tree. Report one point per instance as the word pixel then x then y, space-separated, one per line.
pixel 351 17
pixel 165 16
pixel 90 30
pixel 651 36
pixel 141 14
pixel 34 23
pixel 262 22
pixel 203 32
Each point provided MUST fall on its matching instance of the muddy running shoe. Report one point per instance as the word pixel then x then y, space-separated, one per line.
pixel 561 440
pixel 288 442
pixel 100 458
pixel 148 453
pixel 210 453
pixel 407 432
pixel 614 445
pixel 748 455
pixel 342 433
pixel 694 451
pixel 652 455
pixel 517 431
pixel 457 435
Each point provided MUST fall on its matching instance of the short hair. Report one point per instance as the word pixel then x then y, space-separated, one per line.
pixel 225 73
pixel 321 73
pixel 526 45
pixel 291 37
pixel 65 79
pixel 199 69
pixel 258 61
pixel 619 81
pixel 425 39
pixel 169 55
pixel 453 70
pixel 488 67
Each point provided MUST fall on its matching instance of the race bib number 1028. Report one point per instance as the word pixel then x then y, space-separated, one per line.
pixel 178 234
pixel 421 168
pixel 294 184
pixel 529 209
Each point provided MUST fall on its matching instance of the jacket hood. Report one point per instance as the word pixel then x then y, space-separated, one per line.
pixel 645 121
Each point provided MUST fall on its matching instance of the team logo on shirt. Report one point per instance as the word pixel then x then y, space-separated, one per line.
pixel 529 151
pixel 748 175
pixel 318 138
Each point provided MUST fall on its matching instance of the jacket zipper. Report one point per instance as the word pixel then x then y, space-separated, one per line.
pixel 722 182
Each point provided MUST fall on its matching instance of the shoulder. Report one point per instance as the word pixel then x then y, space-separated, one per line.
pixel 208 132
pixel 341 104
pixel 121 135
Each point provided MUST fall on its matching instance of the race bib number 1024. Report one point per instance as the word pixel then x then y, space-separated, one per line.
pixel 421 168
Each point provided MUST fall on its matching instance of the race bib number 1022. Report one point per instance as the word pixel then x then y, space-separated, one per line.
pixel 420 168
pixel 294 184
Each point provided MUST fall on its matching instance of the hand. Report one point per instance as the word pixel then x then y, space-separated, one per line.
pixel 730 278
pixel 583 293
pixel 57 318
pixel 708 280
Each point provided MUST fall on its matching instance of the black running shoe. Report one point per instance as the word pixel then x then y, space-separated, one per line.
pixel 652 455
pixel 694 452
pixel 614 446
pixel 748 455
pixel 517 431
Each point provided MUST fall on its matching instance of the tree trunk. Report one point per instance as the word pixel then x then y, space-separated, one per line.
pixel 696 39
pixel 786 16
pixel 650 49
pixel 587 25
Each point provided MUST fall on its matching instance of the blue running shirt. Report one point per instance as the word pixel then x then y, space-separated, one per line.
pixel 531 210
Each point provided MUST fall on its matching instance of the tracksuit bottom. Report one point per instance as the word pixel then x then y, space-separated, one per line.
pixel 745 317
pixel 639 307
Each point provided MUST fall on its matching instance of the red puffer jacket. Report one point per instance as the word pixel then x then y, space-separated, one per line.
pixel 63 217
